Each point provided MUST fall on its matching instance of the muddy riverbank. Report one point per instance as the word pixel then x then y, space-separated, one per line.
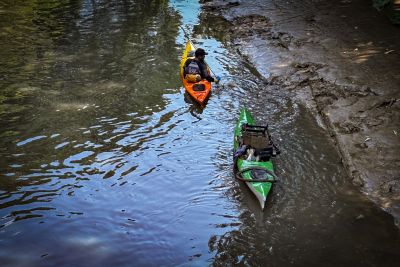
pixel 340 58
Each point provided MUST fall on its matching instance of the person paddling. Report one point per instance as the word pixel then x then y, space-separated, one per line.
pixel 195 69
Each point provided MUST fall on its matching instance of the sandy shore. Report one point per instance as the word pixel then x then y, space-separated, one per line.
pixel 342 59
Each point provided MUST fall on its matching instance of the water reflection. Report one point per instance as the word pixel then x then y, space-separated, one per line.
pixel 77 74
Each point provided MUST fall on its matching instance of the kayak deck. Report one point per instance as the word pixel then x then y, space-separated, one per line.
pixel 199 96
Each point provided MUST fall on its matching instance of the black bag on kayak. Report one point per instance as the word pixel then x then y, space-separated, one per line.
pixel 192 67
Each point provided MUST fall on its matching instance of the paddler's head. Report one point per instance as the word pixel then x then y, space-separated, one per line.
pixel 200 54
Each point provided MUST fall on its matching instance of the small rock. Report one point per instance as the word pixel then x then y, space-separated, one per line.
pixel 357 181
pixel 388 52
pixel 359 217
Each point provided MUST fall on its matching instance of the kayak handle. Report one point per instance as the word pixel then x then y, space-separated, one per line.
pixel 239 175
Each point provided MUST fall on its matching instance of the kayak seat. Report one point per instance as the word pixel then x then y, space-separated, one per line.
pixel 199 87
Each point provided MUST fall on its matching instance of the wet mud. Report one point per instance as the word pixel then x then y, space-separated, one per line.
pixel 340 58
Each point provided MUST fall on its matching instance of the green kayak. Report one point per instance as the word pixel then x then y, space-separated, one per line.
pixel 252 157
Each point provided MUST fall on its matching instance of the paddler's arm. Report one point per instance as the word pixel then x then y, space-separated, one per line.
pixel 206 70
pixel 210 79
pixel 184 67
pixel 188 61
pixel 213 79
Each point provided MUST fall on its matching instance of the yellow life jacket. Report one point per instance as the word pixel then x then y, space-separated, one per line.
pixel 193 78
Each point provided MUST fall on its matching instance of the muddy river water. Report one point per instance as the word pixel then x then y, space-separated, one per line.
pixel 106 162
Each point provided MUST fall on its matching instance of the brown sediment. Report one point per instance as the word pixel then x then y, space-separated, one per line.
pixel 341 58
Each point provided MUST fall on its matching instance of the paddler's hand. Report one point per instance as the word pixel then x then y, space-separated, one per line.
pixel 210 79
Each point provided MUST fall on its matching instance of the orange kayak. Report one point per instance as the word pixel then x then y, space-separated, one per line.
pixel 200 91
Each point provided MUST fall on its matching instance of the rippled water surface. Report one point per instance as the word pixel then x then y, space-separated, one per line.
pixel 106 162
